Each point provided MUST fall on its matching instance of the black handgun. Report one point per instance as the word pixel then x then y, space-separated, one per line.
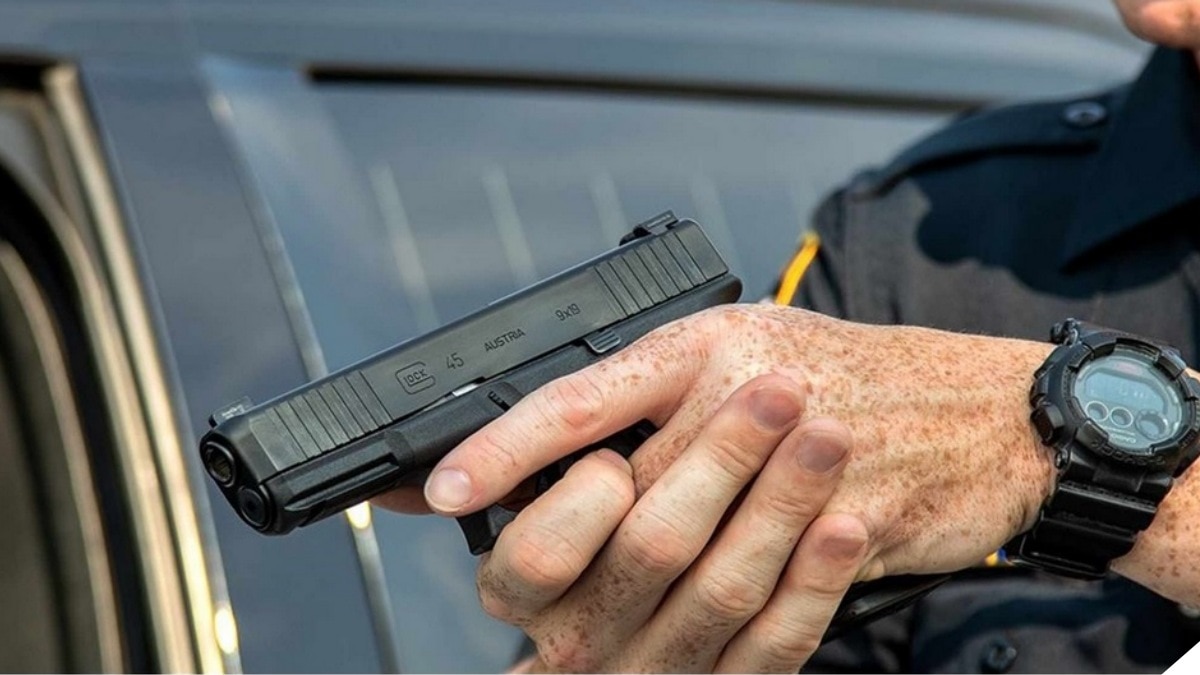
pixel 365 429
pixel 390 418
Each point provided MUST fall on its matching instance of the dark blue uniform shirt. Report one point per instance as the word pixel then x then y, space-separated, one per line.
pixel 1003 223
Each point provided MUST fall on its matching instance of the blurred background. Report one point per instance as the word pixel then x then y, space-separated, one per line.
pixel 205 199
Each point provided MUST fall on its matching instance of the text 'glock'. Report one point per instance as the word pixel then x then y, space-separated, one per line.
pixel 388 419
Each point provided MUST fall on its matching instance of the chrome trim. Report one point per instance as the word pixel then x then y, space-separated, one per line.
pixel 79 472
pixel 508 226
pixel 180 594
pixel 375 585
pixel 60 179
pixel 404 247
pixel 278 262
pixel 312 357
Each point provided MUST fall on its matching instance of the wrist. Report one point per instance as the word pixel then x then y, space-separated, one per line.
pixel 1158 558
pixel 1037 476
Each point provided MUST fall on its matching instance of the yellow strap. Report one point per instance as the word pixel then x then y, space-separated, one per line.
pixel 796 269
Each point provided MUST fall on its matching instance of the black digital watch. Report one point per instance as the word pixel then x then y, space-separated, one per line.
pixel 1123 418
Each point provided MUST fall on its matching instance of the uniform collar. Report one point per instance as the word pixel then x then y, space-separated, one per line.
pixel 1150 162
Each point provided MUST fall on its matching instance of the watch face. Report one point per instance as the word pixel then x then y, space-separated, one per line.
pixel 1131 399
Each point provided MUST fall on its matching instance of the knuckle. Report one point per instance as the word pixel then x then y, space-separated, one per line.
pixel 696 337
pixel 656 547
pixel 575 402
pixel 788 506
pixel 720 316
pixel 567 654
pixel 494 596
pixel 788 645
pixel 494 606
pixel 727 597
pixel 546 561
pixel 827 586
pixel 714 321
pixel 735 459
pixel 606 480
pixel 735 318
pixel 500 450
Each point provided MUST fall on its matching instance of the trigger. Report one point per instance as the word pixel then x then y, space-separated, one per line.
pixel 482 528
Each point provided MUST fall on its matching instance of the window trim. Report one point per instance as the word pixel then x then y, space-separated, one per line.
pixel 183 606
pixel 37 321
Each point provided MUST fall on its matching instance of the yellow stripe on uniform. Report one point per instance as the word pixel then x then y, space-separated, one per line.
pixel 796 269
pixel 997 559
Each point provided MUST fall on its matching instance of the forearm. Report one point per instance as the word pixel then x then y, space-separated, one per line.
pixel 950 414
pixel 947 466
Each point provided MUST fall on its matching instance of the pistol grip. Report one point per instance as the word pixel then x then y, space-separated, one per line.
pixel 483 528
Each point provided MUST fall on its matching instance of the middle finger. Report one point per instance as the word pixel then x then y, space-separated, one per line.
pixel 670 525
pixel 737 573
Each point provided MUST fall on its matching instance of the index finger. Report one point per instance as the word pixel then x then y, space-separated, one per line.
pixel 646 380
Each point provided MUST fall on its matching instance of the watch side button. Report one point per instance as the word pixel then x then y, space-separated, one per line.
pixel 1191 388
pixel 1170 361
pixel 1039 389
pixel 1048 420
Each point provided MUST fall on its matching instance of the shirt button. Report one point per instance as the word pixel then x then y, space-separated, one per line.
pixel 998 657
pixel 1084 114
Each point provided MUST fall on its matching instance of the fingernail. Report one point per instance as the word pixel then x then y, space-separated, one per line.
pixel 448 490
pixel 845 548
pixel 613 457
pixel 774 408
pixel 819 453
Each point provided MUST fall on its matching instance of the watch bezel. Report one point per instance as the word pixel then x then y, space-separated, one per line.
pixel 1103 495
pixel 1069 424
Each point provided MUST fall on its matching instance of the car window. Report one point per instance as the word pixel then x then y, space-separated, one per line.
pixel 500 188
pixel 394 201
pixel 477 192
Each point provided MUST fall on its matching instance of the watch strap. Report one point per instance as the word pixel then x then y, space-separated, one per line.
pixel 1081 529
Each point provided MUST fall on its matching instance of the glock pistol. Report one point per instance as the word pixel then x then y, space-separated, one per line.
pixel 388 419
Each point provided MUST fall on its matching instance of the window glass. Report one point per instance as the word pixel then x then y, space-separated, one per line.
pixel 482 191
